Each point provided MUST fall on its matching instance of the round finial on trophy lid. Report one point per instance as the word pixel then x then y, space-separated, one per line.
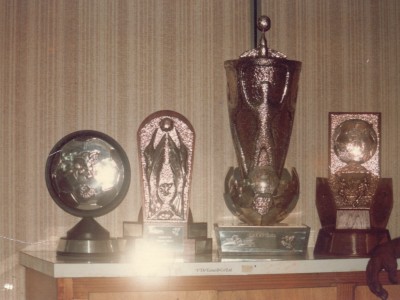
pixel 262 51
pixel 263 24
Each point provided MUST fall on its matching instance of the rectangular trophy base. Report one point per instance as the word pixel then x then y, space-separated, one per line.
pixel 333 242
pixel 279 240
pixel 185 239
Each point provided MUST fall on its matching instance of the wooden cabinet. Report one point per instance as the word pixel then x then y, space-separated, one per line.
pixel 327 286
pixel 46 282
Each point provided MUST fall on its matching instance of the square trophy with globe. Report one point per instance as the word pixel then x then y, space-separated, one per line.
pixel 354 202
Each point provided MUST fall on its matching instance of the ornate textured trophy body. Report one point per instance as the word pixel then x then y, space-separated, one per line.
pixel 354 203
pixel 166 146
pixel 262 93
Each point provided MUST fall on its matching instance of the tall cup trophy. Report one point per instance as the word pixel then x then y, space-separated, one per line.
pixel 262 92
pixel 166 147
pixel 354 202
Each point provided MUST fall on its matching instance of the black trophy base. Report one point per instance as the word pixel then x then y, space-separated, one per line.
pixel 277 240
pixel 88 248
pixel 332 242
pixel 88 239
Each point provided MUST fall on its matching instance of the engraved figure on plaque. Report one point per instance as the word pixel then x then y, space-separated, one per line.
pixel 166 153
pixel 166 163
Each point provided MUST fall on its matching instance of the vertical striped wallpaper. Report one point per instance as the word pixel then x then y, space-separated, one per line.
pixel 106 65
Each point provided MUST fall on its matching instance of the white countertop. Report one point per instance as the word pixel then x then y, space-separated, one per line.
pixel 48 263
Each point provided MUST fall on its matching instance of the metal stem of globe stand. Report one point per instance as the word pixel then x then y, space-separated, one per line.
pixel 88 229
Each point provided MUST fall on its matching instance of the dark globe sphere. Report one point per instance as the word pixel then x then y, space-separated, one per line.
pixel 87 173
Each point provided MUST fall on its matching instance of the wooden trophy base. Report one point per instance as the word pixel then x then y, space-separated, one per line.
pixel 332 242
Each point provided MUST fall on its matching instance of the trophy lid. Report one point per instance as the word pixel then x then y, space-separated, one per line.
pixel 262 51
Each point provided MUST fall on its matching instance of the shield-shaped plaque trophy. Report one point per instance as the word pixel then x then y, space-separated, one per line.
pixel 262 92
pixel 166 147
pixel 354 202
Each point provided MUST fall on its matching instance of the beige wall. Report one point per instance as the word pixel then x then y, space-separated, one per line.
pixel 106 65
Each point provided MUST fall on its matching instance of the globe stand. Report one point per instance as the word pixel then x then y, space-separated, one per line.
pixel 87 237
pixel 88 175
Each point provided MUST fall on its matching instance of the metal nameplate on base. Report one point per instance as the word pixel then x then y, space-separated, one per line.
pixel 178 238
pixel 170 236
pixel 262 240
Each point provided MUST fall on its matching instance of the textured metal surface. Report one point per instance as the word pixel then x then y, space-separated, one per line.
pixel 166 144
pixel 262 92
pixel 87 173
pixel 354 137
pixel 256 208
pixel 354 158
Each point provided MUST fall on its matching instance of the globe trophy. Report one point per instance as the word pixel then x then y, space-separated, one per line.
pixel 166 147
pixel 87 175
pixel 354 202
pixel 262 93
